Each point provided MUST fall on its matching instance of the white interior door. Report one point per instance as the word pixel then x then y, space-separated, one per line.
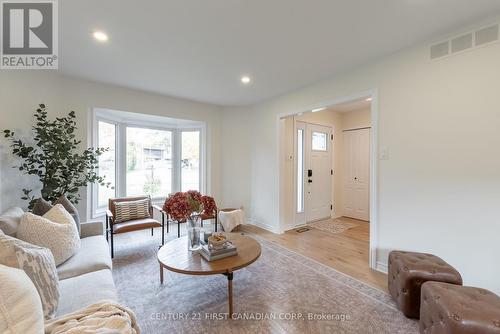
pixel 318 167
pixel 356 174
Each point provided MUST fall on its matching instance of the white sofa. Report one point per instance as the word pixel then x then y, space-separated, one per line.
pixel 86 277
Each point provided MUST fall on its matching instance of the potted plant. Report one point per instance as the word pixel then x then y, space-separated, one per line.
pixel 55 158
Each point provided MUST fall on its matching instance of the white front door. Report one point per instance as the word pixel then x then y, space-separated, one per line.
pixel 318 169
pixel 356 174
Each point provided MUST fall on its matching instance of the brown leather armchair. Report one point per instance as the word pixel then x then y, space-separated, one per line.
pixel 113 228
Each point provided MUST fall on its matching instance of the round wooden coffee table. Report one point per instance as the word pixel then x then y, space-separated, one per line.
pixel 174 256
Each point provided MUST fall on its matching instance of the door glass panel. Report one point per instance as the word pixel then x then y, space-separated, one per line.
pixel 107 162
pixel 149 162
pixel 300 170
pixel 190 160
pixel 319 141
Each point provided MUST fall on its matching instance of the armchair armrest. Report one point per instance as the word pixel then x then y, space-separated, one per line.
pixel 157 207
pixel 109 214
pixel 90 229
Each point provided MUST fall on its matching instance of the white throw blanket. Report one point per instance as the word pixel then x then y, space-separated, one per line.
pixel 229 220
pixel 105 317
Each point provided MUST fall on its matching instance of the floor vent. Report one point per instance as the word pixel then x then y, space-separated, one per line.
pixel 465 42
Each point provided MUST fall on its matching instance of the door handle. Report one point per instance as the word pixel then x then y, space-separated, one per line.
pixel 309 181
pixel 355 178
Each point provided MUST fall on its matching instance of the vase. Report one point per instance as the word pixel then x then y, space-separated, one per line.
pixel 194 232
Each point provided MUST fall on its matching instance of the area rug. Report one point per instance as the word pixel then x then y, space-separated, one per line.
pixel 335 226
pixel 282 292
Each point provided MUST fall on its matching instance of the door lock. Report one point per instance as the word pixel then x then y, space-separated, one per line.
pixel 309 181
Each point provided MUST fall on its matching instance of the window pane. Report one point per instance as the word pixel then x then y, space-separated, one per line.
pixel 190 160
pixel 149 162
pixel 107 161
pixel 319 141
pixel 300 170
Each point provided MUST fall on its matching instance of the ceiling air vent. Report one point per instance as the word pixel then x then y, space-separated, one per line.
pixel 461 43
pixel 487 35
pixel 471 40
pixel 440 50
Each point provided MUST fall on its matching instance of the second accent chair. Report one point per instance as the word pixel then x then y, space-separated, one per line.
pixel 130 214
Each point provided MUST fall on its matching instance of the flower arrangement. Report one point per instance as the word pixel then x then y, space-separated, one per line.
pixel 182 205
pixel 209 206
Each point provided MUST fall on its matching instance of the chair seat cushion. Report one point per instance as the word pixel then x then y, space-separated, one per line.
pixel 454 309
pixel 135 225
pixel 80 291
pixel 92 256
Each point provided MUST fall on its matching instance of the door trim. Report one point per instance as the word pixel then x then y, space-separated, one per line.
pixel 374 214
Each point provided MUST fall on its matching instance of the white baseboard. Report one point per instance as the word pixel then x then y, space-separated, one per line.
pixel 382 267
pixel 264 226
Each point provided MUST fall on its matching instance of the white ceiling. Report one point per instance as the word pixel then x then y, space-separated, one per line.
pixel 198 49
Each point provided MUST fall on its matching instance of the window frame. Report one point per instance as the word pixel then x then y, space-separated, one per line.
pixel 121 125
pixel 326 141
pixel 96 208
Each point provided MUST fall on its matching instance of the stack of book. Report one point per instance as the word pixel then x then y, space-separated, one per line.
pixel 211 254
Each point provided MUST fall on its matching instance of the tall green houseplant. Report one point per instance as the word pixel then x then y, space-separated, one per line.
pixel 54 157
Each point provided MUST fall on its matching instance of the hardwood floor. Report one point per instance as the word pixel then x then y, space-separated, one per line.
pixel 346 252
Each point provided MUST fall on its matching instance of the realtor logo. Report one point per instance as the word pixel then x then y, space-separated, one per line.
pixel 29 34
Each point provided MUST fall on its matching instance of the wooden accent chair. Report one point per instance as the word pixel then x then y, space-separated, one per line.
pixel 113 227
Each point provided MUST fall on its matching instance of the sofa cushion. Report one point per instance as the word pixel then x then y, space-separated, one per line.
pixel 10 219
pixel 92 256
pixel 20 306
pixel 84 290
pixel 38 263
pixel 90 229
pixel 64 201
pixel 56 230
pixel 41 207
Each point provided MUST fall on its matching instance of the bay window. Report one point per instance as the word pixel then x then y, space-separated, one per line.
pixel 147 155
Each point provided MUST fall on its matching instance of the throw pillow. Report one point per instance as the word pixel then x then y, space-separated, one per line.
pixel 41 207
pixel 56 230
pixel 231 219
pixel 20 307
pixel 64 201
pixel 10 219
pixel 38 263
pixel 130 210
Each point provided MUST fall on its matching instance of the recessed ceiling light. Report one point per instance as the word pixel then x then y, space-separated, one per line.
pixel 245 79
pixel 100 36
pixel 368 99
pixel 318 109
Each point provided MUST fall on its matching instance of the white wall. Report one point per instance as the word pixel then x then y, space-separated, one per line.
pixel 356 119
pixel 439 192
pixel 22 91
pixel 236 165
